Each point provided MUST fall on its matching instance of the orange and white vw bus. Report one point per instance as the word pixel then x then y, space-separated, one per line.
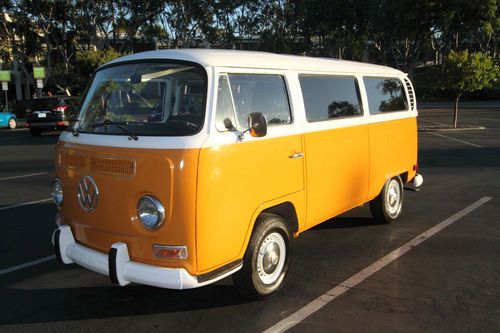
pixel 187 166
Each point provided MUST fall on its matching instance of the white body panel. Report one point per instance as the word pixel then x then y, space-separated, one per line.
pixel 216 62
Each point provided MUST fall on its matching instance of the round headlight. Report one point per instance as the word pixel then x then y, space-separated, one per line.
pixel 151 212
pixel 56 191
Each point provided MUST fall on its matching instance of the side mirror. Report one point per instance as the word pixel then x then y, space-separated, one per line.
pixel 257 124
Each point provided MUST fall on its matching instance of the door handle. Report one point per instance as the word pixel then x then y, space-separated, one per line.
pixel 296 155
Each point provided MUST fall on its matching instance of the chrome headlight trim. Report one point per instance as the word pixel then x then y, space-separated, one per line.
pixel 150 212
pixel 56 192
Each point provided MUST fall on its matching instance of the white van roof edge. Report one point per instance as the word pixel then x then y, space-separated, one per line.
pixel 264 60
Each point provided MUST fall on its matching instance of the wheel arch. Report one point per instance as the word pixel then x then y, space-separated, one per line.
pixel 287 208
pixel 287 211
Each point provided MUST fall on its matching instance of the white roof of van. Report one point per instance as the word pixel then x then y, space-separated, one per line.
pixel 265 60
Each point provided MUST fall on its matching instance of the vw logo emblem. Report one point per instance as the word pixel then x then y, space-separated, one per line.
pixel 88 194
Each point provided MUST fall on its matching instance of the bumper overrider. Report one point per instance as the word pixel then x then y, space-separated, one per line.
pixel 121 270
pixel 417 182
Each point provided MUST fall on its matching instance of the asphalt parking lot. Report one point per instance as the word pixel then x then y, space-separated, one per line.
pixel 437 269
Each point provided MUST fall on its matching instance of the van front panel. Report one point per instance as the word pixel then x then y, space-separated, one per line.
pixel 234 181
pixel 122 176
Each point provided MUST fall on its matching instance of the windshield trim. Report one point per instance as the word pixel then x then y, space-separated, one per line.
pixel 150 60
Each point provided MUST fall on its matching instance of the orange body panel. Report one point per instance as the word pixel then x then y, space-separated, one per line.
pixel 393 151
pixel 169 175
pixel 234 181
pixel 214 194
pixel 337 163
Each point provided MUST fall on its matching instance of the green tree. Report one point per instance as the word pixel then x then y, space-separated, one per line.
pixel 88 61
pixel 336 28
pixel 465 72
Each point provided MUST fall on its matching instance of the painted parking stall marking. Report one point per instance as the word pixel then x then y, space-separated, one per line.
pixel 25 204
pixel 432 122
pixel 27 264
pixel 457 140
pixel 359 277
pixel 24 176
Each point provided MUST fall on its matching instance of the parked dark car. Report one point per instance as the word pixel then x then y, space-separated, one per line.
pixel 51 113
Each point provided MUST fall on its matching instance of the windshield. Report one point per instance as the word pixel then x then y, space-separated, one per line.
pixel 159 99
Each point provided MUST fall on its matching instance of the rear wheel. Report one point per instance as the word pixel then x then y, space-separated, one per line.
pixel 35 131
pixel 266 259
pixel 387 206
pixel 12 123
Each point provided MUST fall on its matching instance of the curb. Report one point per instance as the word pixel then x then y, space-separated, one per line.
pixel 449 129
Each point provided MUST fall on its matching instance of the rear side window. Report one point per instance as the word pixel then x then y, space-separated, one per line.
pixel 242 94
pixel 44 103
pixel 71 101
pixel 385 95
pixel 328 97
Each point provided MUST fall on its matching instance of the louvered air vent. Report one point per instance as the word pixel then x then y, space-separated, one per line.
pixel 411 94
pixel 115 166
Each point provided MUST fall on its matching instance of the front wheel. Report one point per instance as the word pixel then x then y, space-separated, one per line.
pixel 266 259
pixel 12 123
pixel 387 206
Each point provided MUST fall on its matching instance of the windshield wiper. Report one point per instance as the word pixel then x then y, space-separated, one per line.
pixel 73 128
pixel 118 124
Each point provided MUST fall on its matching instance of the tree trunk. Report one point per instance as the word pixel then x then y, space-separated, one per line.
pixel 455 113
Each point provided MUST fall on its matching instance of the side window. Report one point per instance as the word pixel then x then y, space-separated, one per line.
pixel 264 93
pixel 328 97
pixel 385 95
pixel 225 109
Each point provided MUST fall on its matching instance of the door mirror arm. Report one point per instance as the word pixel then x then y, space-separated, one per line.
pixel 257 126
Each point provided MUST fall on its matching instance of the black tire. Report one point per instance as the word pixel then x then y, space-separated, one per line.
pixel 35 131
pixel 388 205
pixel 266 259
pixel 12 123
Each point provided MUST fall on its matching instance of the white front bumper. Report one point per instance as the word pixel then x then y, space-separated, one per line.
pixel 123 270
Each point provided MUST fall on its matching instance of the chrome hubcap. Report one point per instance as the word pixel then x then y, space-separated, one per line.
pixel 11 123
pixel 271 258
pixel 393 198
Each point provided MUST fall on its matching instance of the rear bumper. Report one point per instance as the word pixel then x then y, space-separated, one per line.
pixel 118 266
pixel 418 180
pixel 415 183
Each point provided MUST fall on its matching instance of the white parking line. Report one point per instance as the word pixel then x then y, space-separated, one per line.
pixel 25 204
pixel 432 122
pixel 24 176
pixel 453 139
pixel 489 119
pixel 28 264
pixel 356 279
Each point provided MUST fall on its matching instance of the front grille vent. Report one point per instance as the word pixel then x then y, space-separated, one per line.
pixel 116 166
pixel 113 166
